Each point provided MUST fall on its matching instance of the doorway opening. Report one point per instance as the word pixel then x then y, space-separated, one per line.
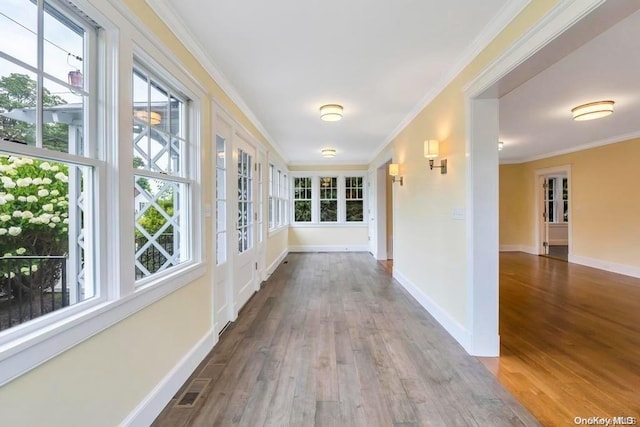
pixel 553 207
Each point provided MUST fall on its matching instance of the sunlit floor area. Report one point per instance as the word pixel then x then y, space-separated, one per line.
pixel 570 339
pixel 332 339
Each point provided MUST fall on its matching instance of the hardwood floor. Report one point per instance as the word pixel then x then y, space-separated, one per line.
pixel 570 339
pixel 331 339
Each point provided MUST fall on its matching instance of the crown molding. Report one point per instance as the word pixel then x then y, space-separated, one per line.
pixel 499 22
pixel 171 18
pixel 581 147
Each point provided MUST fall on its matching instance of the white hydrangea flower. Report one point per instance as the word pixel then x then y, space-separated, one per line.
pixel 2 201
pixel 3 231
pixel 17 214
pixel 45 166
pixel 27 214
pixel 9 197
pixel 35 220
pixel 34 267
pixel 23 182
pixel 5 217
pixel 55 168
pixel 52 225
pixel 65 221
pixel 62 203
pixel 22 198
pixel 14 231
pixel 21 251
pixel 8 183
pixel 32 199
pixel 46 181
pixel 36 181
pixel 55 219
pixel 61 177
pixel 48 207
pixel 43 193
pixel 28 161
pixel 55 193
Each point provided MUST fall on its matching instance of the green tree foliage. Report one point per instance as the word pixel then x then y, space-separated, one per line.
pixel 18 91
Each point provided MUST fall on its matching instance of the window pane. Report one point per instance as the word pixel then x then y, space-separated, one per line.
pixel 63 48
pixel 63 116
pixel 44 239
pixel 161 225
pixel 355 211
pixel 328 210
pixel 221 247
pixel 302 210
pixel 19 18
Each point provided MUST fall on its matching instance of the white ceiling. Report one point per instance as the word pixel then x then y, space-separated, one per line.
pixel 535 118
pixel 382 60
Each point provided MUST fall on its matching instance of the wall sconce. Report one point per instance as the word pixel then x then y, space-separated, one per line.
pixel 431 150
pixel 394 172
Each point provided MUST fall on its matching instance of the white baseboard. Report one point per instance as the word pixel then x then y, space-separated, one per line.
pixel 519 248
pixel 627 270
pixel 329 248
pixel 151 406
pixel 276 263
pixel 452 326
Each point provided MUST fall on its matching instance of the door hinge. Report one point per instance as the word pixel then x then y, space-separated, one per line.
pixel 545 185
pixel 545 244
pixel 544 216
pixel 256 266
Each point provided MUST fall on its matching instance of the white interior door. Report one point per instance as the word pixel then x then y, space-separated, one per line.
pixel 223 311
pixel 547 206
pixel 245 263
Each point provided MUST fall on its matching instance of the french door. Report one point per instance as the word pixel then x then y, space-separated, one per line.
pixel 245 262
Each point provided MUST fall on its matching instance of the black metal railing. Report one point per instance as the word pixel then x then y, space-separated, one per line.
pixel 30 287
pixel 152 258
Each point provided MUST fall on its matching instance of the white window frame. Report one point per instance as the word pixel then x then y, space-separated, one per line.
pixel 315 198
pixel 278 196
pixel 122 38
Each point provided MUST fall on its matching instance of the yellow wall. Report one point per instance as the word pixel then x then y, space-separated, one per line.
pixel 429 246
pixel 604 210
pixel 328 236
pixel 277 244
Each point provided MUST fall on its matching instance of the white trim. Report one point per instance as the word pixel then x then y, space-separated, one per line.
pixel 554 23
pixel 482 158
pixel 581 147
pixel 173 21
pixel 329 248
pixel 519 248
pixel 275 264
pixel 499 22
pixel 451 325
pixel 614 267
pixel 537 204
pixel 152 405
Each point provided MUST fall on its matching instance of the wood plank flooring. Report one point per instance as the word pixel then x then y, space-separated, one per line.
pixel 332 340
pixel 570 339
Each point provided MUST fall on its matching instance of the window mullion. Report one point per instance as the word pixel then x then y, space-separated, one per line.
pixel 40 76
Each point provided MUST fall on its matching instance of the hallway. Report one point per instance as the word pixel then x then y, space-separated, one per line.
pixel 331 339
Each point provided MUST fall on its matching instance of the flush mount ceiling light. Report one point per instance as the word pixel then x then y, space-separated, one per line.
pixel 592 110
pixel 328 152
pixel 331 112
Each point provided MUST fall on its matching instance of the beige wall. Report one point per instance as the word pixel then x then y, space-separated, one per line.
pixel 429 246
pixel 328 236
pixel 604 209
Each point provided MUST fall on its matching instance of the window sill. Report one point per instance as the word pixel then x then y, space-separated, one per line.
pixel 25 353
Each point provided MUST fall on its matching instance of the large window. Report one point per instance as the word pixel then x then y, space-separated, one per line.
pixel 321 198
pixel 328 199
pixel 302 193
pixel 354 196
pixel 278 197
pixel 49 160
pixel 162 183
